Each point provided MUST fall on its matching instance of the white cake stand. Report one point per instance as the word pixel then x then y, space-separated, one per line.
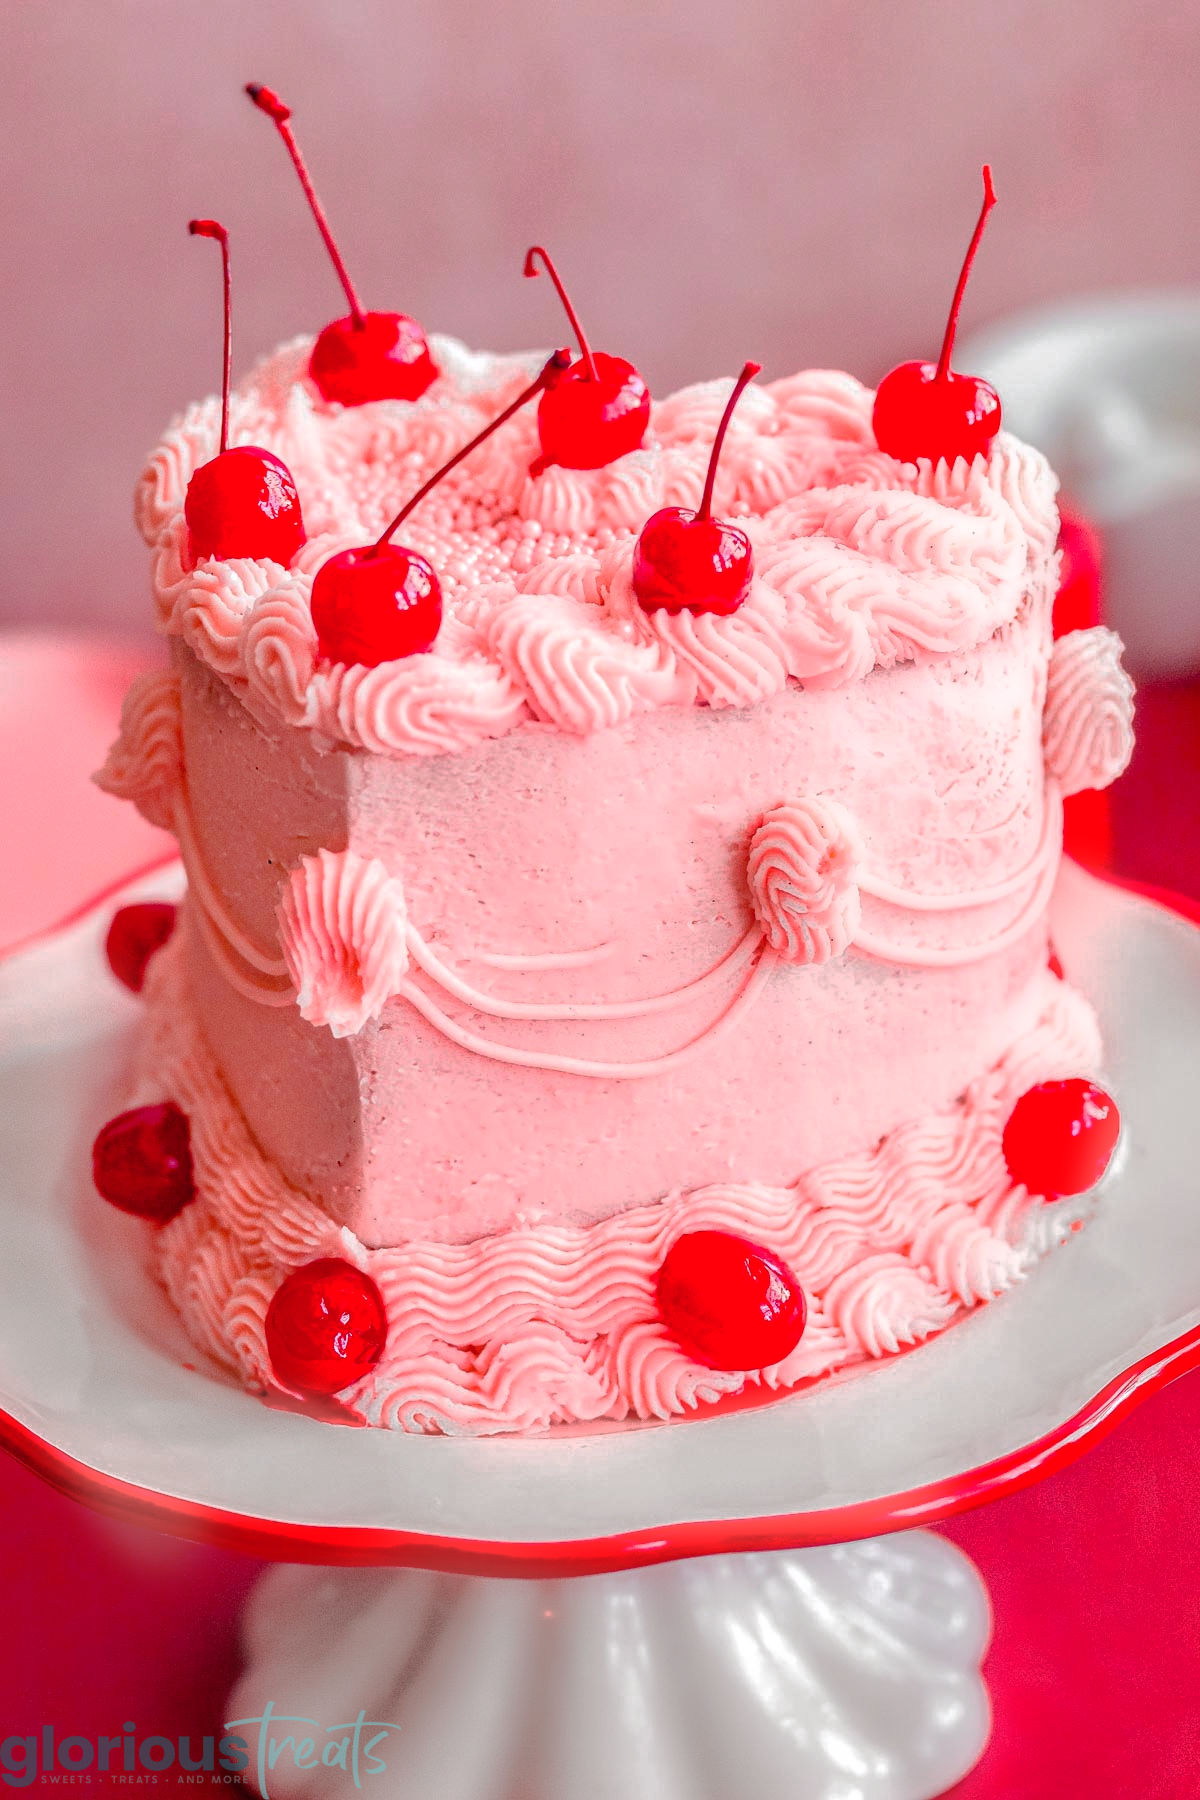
pixel 503 1620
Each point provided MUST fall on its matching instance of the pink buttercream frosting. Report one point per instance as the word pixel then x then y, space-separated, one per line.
pixel 587 964
pixel 342 932
pixel 1088 721
pixel 862 562
pixel 145 764
pixel 803 878
pixel 547 1324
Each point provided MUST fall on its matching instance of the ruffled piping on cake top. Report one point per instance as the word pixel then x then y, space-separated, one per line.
pixel 862 562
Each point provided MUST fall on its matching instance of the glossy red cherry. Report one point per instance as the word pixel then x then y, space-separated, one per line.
pixel 383 601
pixel 1060 1137
pixel 374 605
pixel 383 356
pixel 142 1161
pixel 135 934
pixel 368 355
pixel 589 419
pixel 729 1303
pixel 927 409
pixel 325 1328
pixel 689 560
pixel 917 414
pixel 600 407
pixel 244 502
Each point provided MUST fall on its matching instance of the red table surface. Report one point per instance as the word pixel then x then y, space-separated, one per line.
pixel 1095 1664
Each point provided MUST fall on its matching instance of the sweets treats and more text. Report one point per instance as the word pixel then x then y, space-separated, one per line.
pixel 619 833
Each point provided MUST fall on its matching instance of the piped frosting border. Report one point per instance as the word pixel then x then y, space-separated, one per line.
pixel 556 1324
pixel 862 562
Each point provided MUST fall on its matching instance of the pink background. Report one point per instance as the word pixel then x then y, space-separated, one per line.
pixel 788 179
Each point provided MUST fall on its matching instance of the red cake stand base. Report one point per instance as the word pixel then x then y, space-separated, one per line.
pixel 684 1612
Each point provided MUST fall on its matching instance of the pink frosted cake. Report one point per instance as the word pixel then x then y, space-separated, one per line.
pixel 526 978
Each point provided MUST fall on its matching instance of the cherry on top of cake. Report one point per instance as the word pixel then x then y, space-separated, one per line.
pixel 688 561
pixel 857 559
pixel 244 501
pixel 928 410
pixel 599 409
pixel 381 601
pixel 366 355
pixel 799 461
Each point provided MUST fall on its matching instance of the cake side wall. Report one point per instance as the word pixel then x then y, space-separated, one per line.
pixel 633 840
pixel 259 797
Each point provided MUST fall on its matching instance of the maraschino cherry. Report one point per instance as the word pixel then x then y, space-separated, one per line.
pixel 244 502
pixel 384 601
pixel 689 560
pixel 367 355
pixel 142 1161
pixel 1060 1137
pixel 927 409
pixel 601 407
pixel 135 934
pixel 325 1328
pixel 729 1303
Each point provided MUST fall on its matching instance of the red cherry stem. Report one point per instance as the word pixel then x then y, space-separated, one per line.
pixel 554 367
pixel 749 371
pixel 532 257
pixel 211 228
pixel 269 102
pixel 989 200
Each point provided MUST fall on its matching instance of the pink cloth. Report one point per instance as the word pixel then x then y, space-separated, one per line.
pixel 1095 1666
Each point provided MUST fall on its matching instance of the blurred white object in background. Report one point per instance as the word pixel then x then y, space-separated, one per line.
pixel 1109 388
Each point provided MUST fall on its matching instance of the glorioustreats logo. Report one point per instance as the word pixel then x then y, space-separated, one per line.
pixel 252 1749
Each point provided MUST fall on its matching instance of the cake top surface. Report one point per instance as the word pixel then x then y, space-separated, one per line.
pixel 861 562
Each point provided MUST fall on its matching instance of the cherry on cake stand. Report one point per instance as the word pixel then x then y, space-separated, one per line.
pixel 697 1611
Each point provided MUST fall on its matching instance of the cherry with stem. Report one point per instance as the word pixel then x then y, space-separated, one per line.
pixel 535 255
pixel 366 355
pixel 211 228
pixel 689 561
pixel 989 200
pixel 928 410
pixel 384 601
pixel 244 502
pixel 600 408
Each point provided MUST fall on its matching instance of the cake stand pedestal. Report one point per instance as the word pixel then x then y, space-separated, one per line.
pixel 700 1611
pixel 824 1673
